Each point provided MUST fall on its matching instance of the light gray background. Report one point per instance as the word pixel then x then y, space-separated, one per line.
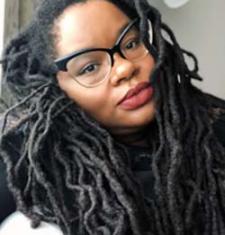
pixel 199 26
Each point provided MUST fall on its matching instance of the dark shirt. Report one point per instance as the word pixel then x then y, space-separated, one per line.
pixel 7 205
pixel 141 159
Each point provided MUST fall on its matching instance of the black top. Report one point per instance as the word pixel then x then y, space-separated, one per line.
pixel 140 161
pixel 7 205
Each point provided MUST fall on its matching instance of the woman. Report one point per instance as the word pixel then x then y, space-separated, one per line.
pixel 114 138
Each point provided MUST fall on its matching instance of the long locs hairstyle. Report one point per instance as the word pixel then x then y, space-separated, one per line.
pixel 64 168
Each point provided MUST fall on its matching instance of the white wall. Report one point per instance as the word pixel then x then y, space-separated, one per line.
pixel 9 26
pixel 199 27
pixel 2 7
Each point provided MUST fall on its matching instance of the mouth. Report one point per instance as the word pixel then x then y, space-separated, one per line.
pixel 137 96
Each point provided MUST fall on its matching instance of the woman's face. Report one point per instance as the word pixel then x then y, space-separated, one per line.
pixel 98 24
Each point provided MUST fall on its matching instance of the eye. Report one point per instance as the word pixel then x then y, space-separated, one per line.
pixel 89 68
pixel 133 43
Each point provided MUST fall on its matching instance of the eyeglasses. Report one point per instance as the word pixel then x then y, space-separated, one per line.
pixel 90 67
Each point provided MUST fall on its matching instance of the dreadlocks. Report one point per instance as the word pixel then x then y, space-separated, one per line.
pixel 68 170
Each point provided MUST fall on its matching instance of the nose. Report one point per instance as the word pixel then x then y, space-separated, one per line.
pixel 122 70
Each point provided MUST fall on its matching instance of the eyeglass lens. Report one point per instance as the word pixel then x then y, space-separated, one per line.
pixel 91 68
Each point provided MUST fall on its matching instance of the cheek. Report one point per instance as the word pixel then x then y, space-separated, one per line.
pixel 93 100
pixel 148 65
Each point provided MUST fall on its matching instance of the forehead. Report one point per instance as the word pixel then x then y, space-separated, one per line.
pixel 95 23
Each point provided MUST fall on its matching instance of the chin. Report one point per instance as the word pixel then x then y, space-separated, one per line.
pixel 135 120
pixel 142 116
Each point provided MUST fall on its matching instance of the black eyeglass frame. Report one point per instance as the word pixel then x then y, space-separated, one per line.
pixel 62 62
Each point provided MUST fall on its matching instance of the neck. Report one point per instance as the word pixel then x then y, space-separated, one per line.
pixel 138 138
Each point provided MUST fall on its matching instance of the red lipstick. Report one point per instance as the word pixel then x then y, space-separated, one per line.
pixel 137 97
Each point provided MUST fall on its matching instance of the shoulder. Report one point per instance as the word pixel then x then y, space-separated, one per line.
pixel 17 223
pixel 7 204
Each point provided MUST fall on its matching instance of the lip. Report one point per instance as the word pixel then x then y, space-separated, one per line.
pixel 134 91
pixel 137 96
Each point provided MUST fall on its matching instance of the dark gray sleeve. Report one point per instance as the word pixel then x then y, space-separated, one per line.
pixel 7 204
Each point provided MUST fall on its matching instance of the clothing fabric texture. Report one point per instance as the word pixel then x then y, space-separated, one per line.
pixel 7 204
pixel 141 159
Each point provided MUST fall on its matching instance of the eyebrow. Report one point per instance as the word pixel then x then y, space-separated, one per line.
pixel 122 29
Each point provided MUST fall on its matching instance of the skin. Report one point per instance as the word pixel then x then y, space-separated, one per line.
pixel 86 25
